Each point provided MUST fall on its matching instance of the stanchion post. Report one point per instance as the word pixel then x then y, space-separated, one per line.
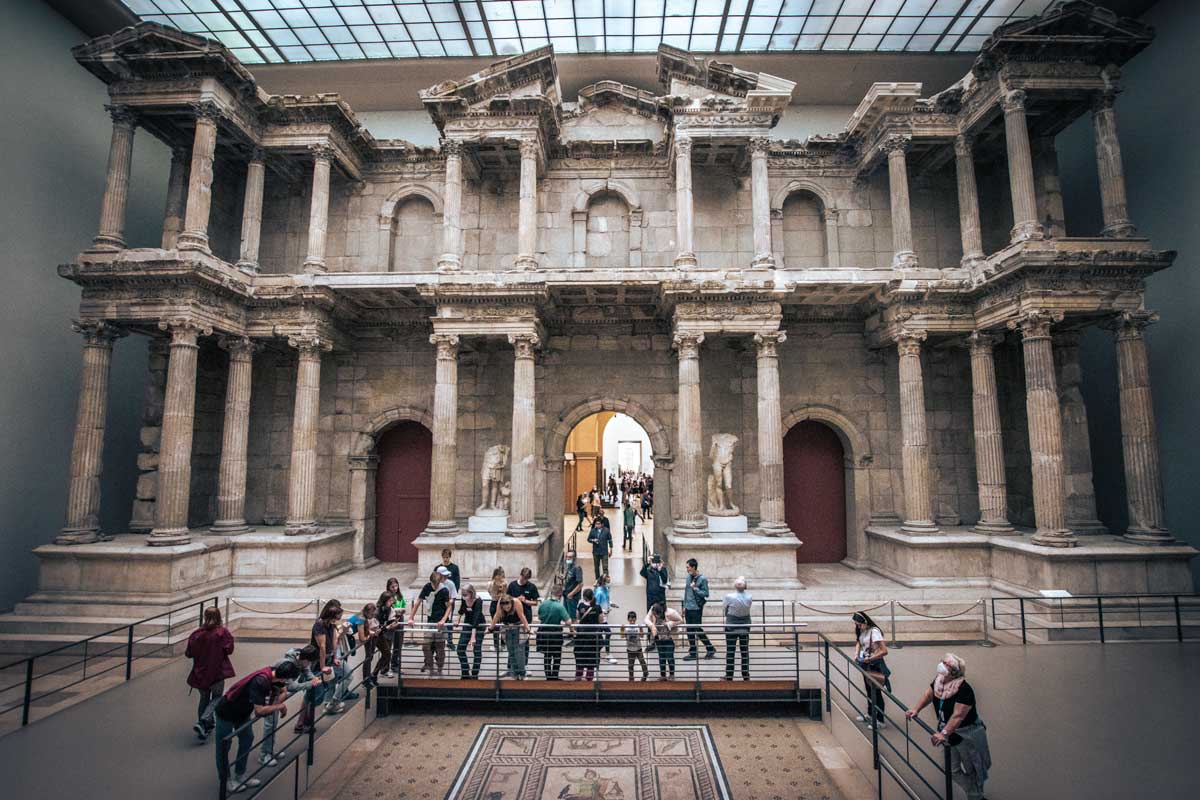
pixel 987 639
pixel 796 650
pixel 895 642
pixel 1178 621
pixel 1100 613
pixel 1022 602
pixel 828 680
pixel 129 651
pixel 28 693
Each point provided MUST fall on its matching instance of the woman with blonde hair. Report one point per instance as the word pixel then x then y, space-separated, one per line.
pixel 496 589
pixel 958 723
pixel 511 615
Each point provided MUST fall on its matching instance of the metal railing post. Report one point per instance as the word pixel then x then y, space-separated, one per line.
pixel 948 771
pixel 129 653
pixel 1178 621
pixel 28 693
pixel 1023 639
pixel 828 679
pixel 796 650
pixel 1100 612
pixel 223 791
pixel 874 734
pixel 987 639
pixel 892 642
pixel 310 755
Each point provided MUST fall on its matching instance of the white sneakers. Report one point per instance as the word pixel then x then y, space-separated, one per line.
pixel 335 708
pixel 268 760
pixel 238 783
pixel 389 674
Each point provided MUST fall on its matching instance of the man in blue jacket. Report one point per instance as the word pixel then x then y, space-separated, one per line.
pixel 695 595
pixel 601 538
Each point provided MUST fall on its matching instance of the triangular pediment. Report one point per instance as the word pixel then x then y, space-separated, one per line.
pixel 1075 29
pixel 526 80
pixel 151 51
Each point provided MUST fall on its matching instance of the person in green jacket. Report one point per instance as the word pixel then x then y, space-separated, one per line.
pixel 630 516
pixel 552 615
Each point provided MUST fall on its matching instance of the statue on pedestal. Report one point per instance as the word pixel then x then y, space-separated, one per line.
pixel 720 482
pixel 492 475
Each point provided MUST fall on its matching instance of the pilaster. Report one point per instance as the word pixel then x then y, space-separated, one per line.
pixel 1114 205
pixel 968 201
pixel 252 208
pixel 177 186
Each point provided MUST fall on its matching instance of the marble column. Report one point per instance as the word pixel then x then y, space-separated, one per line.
pixel 685 253
pixel 690 491
pixel 1139 437
pixel 902 238
pixel 252 209
pixel 87 449
pixel 968 201
pixel 177 185
pixel 178 420
pixel 302 469
pixel 918 501
pixel 200 177
pixel 760 196
pixel 231 470
pixel 1045 429
pixel 111 235
pixel 452 235
pixel 445 435
pixel 989 445
pixel 524 436
pixel 1020 169
pixel 770 436
pixel 1114 205
pixel 527 210
pixel 1077 448
pixel 318 212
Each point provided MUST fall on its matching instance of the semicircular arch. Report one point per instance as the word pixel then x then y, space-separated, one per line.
pixel 388 209
pixel 364 443
pixel 855 443
pixel 801 185
pixel 556 436
pixel 592 188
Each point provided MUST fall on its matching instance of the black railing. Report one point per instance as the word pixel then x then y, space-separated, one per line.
pixel 88 651
pixel 1103 618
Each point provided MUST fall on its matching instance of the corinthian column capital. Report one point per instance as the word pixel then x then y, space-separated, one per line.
pixel 184 330
pixel 908 341
pixel 687 344
pixel 529 148
pixel 524 344
pixel 122 116
pixel 982 342
pixel 240 348
pixel 896 144
pixel 321 152
pixel 1013 101
pixel 310 344
pixel 964 144
pixel 683 146
pixel 98 332
pixel 453 148
pixel 1035 324
pixel 760 146
pixel 768 342
pixel 446 344
pixel 207 110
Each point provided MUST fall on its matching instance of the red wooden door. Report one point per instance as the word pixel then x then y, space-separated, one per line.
pixel 815 492
pixel 402 490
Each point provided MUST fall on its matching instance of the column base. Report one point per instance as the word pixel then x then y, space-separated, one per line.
pixel 441 528
pixel 1119 229
pixel 919 526
pixel 448 263
pixel 313 266
pixel 107 243
pixel 248 267
pixel 905 259
pixel 302 528
pixel 690 527
pixel 1026 231
pixel 525 262
pixel 77 536
pixel 1055 539
pixel 1148 536
pixel 230 527
pixel 686 261
pixel 995 528
pixel 522 529
pixel 168 537
pixel 193 240
pixel 1087 527
pixel 773 529
pixel 763 261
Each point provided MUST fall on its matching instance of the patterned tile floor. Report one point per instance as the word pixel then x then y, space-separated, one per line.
pixel 764 754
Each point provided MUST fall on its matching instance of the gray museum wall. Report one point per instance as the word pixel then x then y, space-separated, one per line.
pixel 53 148
pixel 1157 117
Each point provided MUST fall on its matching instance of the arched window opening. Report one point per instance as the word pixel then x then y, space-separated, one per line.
pixel 804 239
pixel 607 231
pixel 416 235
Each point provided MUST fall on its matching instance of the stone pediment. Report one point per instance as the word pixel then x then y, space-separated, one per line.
pixel 700 85
pixel 151 51
pixel 523 84
pixel 612 112
pixel 1074 30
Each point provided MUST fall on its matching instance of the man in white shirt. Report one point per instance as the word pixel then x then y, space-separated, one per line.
pixel 737 606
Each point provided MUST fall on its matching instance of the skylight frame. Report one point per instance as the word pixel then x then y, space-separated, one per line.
pixel 276 31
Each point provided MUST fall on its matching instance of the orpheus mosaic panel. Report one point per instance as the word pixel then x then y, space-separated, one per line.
pixel 591 762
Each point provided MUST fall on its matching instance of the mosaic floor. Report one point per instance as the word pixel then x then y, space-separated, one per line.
pixel 591 762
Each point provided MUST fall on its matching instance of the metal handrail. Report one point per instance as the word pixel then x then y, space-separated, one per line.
pixel 28 697
pixel 1088 607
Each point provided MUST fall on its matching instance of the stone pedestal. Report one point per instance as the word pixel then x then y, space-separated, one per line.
pixel 767 562
pixel 488 520
pixel 727 524
pixel 477 553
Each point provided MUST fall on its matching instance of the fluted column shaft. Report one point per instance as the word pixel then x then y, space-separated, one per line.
pixel 177 186
pixel 252 209
pixel 685 252
pixel 989 446
pixel 902 238
pixel 445 434
pixel 231 471
pixel 452 237
pixel 1045 429
pixel 1020 169
pixel 200 177
pixel 87 449
pixel 178 421
pixel 918 501
pixel 1139 437
pixel 524 418
pixel 111 235
pixel 968 201
pixel 1114 205
pixel 770 436
pixel 760 200
pixel 527 210
pixel 689 472
pixel 302 470
pixel 318 210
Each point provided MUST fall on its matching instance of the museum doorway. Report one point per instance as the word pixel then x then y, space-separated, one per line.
pixel 814 476
pixel 602 446
pixel 402 480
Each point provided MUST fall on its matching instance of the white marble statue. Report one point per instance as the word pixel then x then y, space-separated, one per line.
pixel 720 481
pixel 494 462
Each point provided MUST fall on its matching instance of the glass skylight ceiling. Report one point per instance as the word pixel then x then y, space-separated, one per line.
pixel 279 31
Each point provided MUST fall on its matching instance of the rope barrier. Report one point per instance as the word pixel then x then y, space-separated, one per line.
pixel 947 616
pixel 839 613
pixel 263 611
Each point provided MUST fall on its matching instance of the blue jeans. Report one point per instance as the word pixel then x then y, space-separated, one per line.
pixel 337 683
pixel 572 604
pixel 245 740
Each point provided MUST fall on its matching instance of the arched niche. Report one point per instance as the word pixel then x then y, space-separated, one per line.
pixel 804 226
pixel 390 213
pixel 591 192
